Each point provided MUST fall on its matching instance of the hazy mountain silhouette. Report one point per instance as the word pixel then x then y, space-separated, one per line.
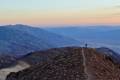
pixel 95 32
pixel 96 36
pixel 22 39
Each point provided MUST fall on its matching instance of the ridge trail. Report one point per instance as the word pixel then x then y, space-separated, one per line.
pixel 85 66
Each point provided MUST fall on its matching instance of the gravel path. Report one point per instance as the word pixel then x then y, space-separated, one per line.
pixel 85 67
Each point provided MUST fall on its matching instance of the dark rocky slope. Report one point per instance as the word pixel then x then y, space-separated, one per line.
pixel 72 64
pixel 38 57
pixel 101 66
pixel 109 52
pixel 7 60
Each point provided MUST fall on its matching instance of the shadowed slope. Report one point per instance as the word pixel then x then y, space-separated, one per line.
pixel 67 66
pixel 7 60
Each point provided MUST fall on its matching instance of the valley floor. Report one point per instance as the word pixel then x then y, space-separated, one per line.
pixel 20 66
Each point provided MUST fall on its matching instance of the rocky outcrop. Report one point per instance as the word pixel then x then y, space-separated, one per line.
pixel 7 60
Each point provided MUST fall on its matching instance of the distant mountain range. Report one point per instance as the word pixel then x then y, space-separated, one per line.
pixel 100 33
pixel 22 39
pixel 95 36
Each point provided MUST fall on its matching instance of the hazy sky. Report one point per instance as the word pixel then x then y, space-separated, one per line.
pixel 54 12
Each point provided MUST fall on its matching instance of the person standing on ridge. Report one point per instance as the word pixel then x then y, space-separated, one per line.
pixel 86 45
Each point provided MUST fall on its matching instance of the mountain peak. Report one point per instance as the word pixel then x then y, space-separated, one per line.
pixel 20 25
pixel 16 25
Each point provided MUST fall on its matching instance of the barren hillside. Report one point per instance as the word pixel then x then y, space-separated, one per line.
pixel 78 64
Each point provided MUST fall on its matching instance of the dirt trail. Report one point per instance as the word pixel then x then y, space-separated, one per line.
pixel 85 67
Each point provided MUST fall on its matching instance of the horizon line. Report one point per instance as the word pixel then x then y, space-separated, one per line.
pixel 66 25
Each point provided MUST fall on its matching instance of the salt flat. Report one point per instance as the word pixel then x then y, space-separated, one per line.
pixel 20 66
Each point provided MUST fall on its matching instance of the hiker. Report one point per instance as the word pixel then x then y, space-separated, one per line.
pixel 86 45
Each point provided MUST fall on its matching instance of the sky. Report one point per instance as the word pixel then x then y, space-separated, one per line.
pixel 59 12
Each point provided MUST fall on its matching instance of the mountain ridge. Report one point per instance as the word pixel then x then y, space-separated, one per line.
pixel 71 67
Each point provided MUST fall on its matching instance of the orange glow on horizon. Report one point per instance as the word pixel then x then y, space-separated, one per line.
pixel 110 20
pixel 62 17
